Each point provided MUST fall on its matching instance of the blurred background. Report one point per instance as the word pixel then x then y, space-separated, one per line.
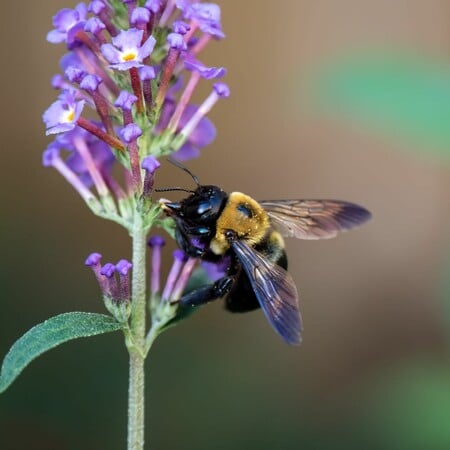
pixel 347 100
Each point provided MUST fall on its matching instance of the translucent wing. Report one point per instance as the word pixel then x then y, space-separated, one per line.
pixel 275 291
pixel 314 219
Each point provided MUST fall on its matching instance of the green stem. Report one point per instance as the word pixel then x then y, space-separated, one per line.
pixel 136 348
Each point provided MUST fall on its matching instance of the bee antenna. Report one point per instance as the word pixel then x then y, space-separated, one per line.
pixel 183 168
pixel 174 189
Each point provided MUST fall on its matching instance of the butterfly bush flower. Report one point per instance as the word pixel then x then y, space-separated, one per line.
pixel 137 67
pixel 115 286
pixel 123 103
pixel 62 115
pixel 67 22
pixel 127 50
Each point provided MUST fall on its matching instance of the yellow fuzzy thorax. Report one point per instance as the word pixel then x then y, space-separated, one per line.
pixel 244 216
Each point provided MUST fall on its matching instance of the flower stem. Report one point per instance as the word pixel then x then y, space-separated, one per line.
pixel 136 402
pixel 136 348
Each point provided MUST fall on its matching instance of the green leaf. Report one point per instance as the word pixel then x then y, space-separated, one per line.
pixel 401 96
pixel 48 335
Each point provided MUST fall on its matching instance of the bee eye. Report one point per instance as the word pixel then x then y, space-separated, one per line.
pixel 245 210
pixel 203 207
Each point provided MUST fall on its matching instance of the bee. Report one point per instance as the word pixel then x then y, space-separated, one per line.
pixel 248 236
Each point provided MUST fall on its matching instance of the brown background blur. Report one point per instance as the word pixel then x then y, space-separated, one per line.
pixel 371 299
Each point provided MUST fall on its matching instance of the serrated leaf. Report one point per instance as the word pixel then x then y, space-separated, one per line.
pixel 401 96
pixel 50 334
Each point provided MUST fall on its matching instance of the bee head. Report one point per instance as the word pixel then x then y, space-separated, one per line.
pixel 202 207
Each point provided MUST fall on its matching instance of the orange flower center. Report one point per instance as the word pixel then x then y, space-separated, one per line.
pixel 129 56
pixel 71 115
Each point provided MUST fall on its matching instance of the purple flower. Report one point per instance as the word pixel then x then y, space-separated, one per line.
pixel 202 135
pixel 156 241
pixel 63 114
pixel 123 267
pixel 108 270
pixel 205 72
pixel 93 259
pixel 147 73
pixel 150 164
pixel 90 83
pixel 176 41
pixel 71 59
pixel 49 155
pixel 58 82
pixel 207 16
pixel 94 25
pixel 96 6
pixel 153 5
pixel 180 27
pixel 140 16
pixel 222 90
pixel 130 132
pixel 67 22
pixel 126 50
pixel 74 74
pixel 125 100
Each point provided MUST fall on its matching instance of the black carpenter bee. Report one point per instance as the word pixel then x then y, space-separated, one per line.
pixel 215 226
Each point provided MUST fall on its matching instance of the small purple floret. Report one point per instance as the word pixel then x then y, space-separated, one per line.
pixel 222 90
pixel 205 72
pixel 94 25
pixel 125 100
pixel 176 41
pixel 150 164
pixel 180 27
pixel 71 59
pixel 108 270
pixel 130 132
pixel 96 6
pixel 140 16
pixel 57 81
pixel 49 155
pixel 93 259
pixel 156 241
pixel 153 5
pixel 179 255
pixel 207 15
pixel 123 267
pixel 74 74
pixel 90 83
pixel 147 73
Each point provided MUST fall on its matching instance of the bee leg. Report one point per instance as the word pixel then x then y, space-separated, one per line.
pixel 208 293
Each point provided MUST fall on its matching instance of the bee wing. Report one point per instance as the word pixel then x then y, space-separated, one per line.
pixel 314 219
pixel 275 291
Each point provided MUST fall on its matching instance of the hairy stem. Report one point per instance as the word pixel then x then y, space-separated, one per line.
pixel 136 348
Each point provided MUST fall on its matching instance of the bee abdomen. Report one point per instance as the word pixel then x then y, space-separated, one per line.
pixel 272 247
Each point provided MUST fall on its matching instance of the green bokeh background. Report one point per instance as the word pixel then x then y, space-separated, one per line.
pixel 374 369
